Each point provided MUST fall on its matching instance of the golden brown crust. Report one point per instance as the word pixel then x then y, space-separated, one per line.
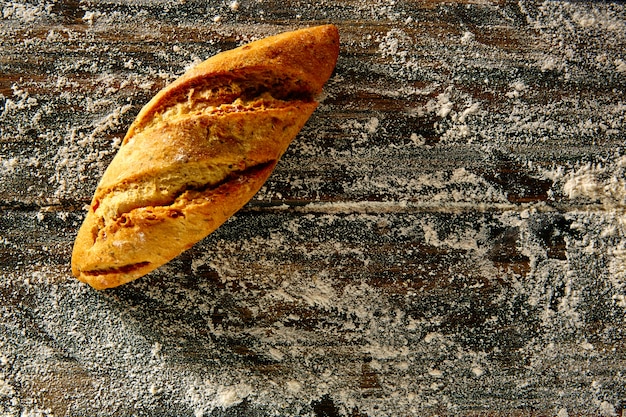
pixel 294 62
pixel 198 151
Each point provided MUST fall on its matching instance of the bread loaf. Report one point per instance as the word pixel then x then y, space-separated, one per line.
pixel 199 151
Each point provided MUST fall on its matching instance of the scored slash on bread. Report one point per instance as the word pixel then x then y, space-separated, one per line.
pixel 199 151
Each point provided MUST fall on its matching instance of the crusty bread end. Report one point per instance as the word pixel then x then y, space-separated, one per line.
pixel 199 151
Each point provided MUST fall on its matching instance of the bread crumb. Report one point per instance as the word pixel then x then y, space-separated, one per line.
pixel 294 386
pixel 562 413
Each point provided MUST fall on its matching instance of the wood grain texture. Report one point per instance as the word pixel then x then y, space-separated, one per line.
pixel 447 235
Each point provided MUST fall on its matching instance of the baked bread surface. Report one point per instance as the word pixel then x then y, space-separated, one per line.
pixel 199 151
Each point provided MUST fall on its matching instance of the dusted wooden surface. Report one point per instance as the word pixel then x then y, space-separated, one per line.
pixel 447 236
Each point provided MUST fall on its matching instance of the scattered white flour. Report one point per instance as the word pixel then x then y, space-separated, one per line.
pixel 447 236
pixel 604 183
pixel 467 37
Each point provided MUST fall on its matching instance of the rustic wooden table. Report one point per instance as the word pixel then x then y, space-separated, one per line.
pixel 447 235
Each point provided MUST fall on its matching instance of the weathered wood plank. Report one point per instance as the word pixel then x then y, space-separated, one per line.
pixel 445 237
